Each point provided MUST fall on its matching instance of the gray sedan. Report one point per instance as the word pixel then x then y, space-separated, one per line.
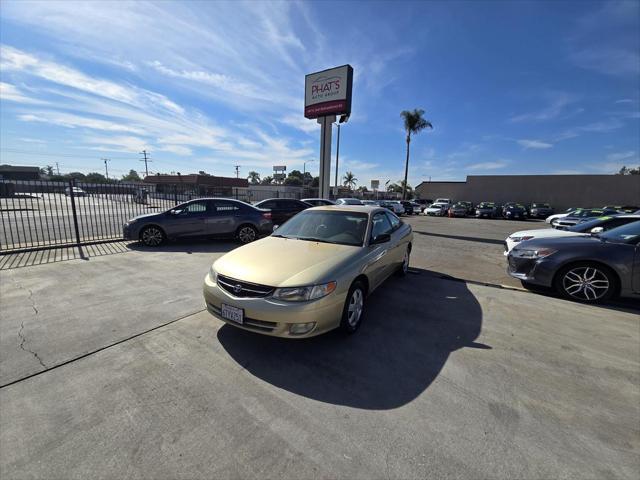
pixel 587 269
pixel 205 217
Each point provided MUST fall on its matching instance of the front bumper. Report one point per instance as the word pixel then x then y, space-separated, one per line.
pixel 537 271
pixel 273 317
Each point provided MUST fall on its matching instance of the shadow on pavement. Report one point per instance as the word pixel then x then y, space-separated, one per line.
pixel 188 246
pixel 460 237
pixel 10 261
pixel 411 327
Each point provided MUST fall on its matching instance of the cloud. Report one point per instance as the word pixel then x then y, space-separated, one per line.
pixel 606 40
pixel 488 165
pixel 12 93
pixel 534 144
pixel 624 100
pixel 75 121
pixel 618 156
pixel 299 122
pixel 557 106
pixel 602 126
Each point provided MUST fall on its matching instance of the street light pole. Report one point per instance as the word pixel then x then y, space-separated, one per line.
pixel 304 171
pixel 106 168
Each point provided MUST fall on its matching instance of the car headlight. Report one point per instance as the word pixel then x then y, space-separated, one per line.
pixel 477 212
pixel 521 239
pixel 213 274
pixel 304 294
pixel 539 253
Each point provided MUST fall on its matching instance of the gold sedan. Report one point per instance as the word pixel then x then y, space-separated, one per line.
pixel 312 274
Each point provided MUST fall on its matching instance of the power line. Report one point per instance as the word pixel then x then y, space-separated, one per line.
pixel 145 160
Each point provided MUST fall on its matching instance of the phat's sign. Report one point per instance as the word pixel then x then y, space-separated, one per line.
pixel 328 92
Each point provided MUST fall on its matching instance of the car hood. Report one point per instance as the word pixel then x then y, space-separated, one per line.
pixel 545 233
pixel 146 216
pixel 284 262
pixel 565 243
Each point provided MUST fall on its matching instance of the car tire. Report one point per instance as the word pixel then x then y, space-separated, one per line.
pixel 586 282
pixel 403 269
pixel 353 308
pixel 152 236
pixel 247 234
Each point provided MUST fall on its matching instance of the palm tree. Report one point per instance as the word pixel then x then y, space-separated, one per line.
pixel 254 177
pixel 413 123
pixel 266 180
pixel 349 180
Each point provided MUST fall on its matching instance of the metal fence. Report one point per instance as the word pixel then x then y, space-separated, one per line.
pixel 40 214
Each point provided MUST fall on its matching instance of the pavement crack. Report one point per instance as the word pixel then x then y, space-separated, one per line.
pixel 23 340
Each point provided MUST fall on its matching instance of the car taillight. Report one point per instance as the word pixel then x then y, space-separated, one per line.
pixel 267 215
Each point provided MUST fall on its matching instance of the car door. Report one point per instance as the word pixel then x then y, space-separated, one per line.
pixel 188 219
pixel 395 249
pixel 288 208
pixel 635 279
pixel 223 220
pixel 381 261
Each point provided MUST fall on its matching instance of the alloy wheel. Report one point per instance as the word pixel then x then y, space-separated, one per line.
pixel 586 283
pixel 247 234
pixel 152 236
pixel 356 303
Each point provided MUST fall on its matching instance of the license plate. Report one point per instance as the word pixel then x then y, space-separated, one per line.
pixel 232 313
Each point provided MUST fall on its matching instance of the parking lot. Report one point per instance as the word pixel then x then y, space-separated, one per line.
pixel 111 368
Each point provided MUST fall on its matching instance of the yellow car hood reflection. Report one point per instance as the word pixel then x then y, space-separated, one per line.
pixel 283 262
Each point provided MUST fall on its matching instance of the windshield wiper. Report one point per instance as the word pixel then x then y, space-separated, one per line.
pixel 314 239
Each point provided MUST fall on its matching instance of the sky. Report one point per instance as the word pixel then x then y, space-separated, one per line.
pixel 510 87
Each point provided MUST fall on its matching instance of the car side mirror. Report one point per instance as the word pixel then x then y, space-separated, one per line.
pixel 382 238
pixel 595 230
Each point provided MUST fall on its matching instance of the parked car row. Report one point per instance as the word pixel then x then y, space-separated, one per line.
pixel 589 262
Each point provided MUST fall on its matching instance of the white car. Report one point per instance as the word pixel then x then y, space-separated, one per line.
pixel 437 209
pixel 596 225
pixel 348 201
pixel 551 218
pixel 447 201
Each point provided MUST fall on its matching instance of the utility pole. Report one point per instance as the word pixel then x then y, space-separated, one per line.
pixel 106 168
pixel 145 160
pixel 237 171
pixel 58 168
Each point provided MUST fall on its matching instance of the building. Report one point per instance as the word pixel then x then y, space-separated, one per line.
pixel 16 172
pixel 198 184
pixel 560 191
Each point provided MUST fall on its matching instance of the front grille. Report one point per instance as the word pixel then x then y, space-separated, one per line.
pixel 259 325
pixel 244 289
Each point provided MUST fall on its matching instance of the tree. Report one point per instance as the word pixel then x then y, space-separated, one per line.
pixel 48 170
pixel 95 177
pixel 414 123
pixel 349 180
pixel 132 176
pixel 254 178
pixel 362 189
pixel 315 183
pixel 268 180
pixel 294 178
pixel 629 171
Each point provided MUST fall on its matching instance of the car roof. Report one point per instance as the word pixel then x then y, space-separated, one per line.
pixel 351 208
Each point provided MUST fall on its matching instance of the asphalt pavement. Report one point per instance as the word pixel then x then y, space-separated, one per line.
pixel 111 369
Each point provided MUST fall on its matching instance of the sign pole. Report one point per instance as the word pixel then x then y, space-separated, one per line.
pixel 325 154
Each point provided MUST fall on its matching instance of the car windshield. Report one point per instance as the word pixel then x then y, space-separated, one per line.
pixel 345 228
pixel 629 233
pixel 485 205
pixel 350 201
pixel 588 225
pixel 540 205
pixel 588 213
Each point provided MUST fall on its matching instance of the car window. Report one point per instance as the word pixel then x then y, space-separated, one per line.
pixel 346 228
pixel 267 204
pixel 395 221
pixel 380 225
pixel 287 204
pixel 195 208
pixel 221 206
pixel 629 233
